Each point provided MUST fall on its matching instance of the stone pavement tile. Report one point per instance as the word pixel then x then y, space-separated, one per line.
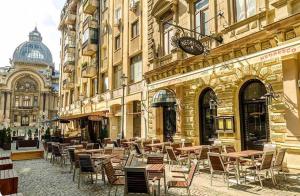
pixel 39 177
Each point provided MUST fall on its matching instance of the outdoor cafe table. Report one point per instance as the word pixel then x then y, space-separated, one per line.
pixel 242 154
pixel 151 168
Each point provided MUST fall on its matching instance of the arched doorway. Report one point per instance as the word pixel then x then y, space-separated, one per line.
pixel 207 115
pixel 253 115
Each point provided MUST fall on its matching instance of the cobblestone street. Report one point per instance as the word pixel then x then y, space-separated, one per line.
pixel 39 177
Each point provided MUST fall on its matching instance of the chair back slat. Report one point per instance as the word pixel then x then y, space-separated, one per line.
pixel 109 171
pixel 216 162
pixel 279 157
pixel 72 154
pixel 85 163
pixel 188 144
pixel 171 153
pixel 155 160
pixel 108 150
pixel 203 153
pixel 136 181
pixel 229 149
pixel 216 149
pixel 267 160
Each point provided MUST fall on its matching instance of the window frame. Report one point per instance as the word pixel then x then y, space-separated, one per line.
pixel 118 46
pixel 136 61
pixel 235 13
pixel 169 32
pixel 135 29
pixel 202 18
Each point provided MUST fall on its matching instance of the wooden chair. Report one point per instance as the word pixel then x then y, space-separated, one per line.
pixel 136 182
pixel 202 156
pixel 216 149
pixel 277 166
pixel 49 150
pixel 71 152
pixel 217 166
pixel 229 149
pixel 145 147
pixel 264 166
pixel 108 150
pixel 172 158
pixel 186 184
pixel 158 175
pixel 89 146
pixel 86 167
pixel 57 155
pixel 113 180
pixel 175 146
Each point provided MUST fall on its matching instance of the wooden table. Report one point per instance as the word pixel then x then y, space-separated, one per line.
pixel 8 182
pixel 6 164
pixel 242 154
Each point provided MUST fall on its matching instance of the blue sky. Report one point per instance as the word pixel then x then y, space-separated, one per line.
pixel 19 17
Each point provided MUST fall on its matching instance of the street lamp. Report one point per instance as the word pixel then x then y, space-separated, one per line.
pixel 123 78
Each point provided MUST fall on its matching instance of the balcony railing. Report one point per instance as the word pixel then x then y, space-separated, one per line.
pixel 91 22
pixel 70 18
pixel 68 84
pixel 89 47
pixel 69 66
pixel 90 6
pixel 88 71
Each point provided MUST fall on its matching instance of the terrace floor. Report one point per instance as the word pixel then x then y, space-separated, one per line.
pixel 39 177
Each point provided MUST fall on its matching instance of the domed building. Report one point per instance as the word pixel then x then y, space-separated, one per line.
pixel 29 87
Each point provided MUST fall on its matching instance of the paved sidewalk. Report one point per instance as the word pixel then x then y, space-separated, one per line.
pixel 39 177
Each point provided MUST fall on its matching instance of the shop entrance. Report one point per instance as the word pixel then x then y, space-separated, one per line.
pixel 169 123
pixel 253 115
pixel 207 118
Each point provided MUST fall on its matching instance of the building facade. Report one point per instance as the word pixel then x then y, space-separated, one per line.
pixel 244 89
pixel 106 39
pixel 29 87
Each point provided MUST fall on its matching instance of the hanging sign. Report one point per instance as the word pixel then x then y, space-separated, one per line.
pixel 190 45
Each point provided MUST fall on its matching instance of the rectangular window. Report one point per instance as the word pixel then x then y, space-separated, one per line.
pixel 118 15
pixel 67 98
pixel 135 29
pixel 136 67
pixel 33 118
pixel 71 96
pixel 93 87
pixel 24 121
pixel 244 9
pixel 15 118
pixel 201 17
pixel 104 82
pixel 90 34
pixel 35 101
pixel 167 36
pixel 26 101
pixel 84 90
pixel 117 76
pixel 117 42
pixel 17 101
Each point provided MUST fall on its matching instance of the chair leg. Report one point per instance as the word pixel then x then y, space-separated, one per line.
pixel 211 177
pixel 116 190
pixel 259 178
pixel 188 191
pixel 79 176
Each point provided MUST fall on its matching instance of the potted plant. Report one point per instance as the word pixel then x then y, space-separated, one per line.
pixel 6 139
pixel 47 134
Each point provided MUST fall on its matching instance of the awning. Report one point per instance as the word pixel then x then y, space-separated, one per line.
pixel 163 98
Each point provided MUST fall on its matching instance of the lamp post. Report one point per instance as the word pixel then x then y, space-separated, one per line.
pixel 123 78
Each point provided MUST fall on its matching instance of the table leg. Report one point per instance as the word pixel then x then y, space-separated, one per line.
pixel 165 183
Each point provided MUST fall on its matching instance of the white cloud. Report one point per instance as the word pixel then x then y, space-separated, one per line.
pixel 19 17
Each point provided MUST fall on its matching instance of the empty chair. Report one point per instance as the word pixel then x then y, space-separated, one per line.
pixel 217 166
pixel 186 184
pixel 202 156
pixel 108 150
pixel 113 180
pixel 155 160
pixel 57 155
pixel 173 158
pixel 229 149
pixel 265 166
pixel 136 181
pixel 216 149
pixel 277 166
pixel 175 146
pixel 49 150
pixel 89 146
pixel 86 167
pixel 146 148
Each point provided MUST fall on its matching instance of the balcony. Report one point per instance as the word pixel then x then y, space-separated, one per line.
pixel 90 6
pixel 89 47
pixel 68 84
pixel 70 47
pixel 70 18
pixel 91 22
pixel 69 66
pixel 88 71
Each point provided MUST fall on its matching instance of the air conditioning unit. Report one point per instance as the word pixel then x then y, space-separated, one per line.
pixel 134 5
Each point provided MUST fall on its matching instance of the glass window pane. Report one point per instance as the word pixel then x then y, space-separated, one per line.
pixel 200 4
pixel 205 18
pixel 240 9
pixel 251 7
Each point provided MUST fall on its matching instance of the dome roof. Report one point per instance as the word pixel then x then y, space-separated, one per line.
pixel 33 51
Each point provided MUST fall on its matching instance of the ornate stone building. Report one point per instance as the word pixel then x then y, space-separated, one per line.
pixel 242 91
pixel 29 87
pixel 101 41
